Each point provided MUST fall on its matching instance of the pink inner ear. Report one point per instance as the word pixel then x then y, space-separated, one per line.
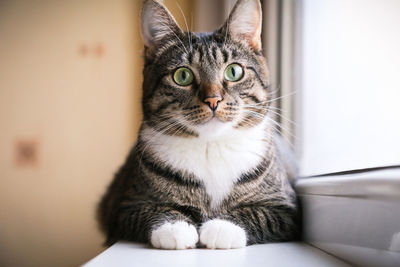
pixel 156 22
pixel 255 43
pixel 253 38
pixel 245 23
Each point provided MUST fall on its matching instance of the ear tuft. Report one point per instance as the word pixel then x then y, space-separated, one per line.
pixel 157 23
pixel 244 22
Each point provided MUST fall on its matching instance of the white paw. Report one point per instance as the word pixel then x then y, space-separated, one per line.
pixel 222 234
pixel 178 235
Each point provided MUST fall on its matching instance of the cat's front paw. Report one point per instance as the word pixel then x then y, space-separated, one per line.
pixel 222 234
pixel 178 235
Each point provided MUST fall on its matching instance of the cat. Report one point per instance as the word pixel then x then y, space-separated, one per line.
pixel 206 169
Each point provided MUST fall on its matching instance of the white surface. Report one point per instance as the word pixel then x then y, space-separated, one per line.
pixel 277 254
pixel 379 184
pixel 350 86
pixel 355 217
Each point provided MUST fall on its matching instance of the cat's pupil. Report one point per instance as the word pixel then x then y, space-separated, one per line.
pixel 233 72
pixel 183 75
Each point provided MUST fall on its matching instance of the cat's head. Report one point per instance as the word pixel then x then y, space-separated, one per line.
pixel 204 84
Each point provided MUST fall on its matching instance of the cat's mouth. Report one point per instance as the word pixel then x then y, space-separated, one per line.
pixel 212 127
pixel 214 118
pixel 217 118
pixel 211 119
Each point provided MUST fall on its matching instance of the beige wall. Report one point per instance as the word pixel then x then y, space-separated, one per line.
pixel 70 76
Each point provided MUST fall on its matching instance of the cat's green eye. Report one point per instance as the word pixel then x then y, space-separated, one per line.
pixel 234 72
pixel 183 76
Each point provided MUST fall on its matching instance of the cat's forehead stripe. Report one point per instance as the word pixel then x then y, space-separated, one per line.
pixel 202 51
pixel 190 57
pixel 225 55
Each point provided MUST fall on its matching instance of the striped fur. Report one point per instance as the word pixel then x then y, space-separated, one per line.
pixel 216 171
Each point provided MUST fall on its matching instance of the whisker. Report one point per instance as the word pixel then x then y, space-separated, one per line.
pixel 179 39
pixel 283 128
pixel 283 117
pixel 187 27
pixel 255 114
pixel 260 104
pixel 227 24
pixel 281 133
pixel 249 122
pixel 191 29
pixel 159 133
pixel 281 97
pixel 164 120
pixel 226 33
pixel 260 116
pixel 275 123
pixel 275 91
pixel 276 108
pixel 177 130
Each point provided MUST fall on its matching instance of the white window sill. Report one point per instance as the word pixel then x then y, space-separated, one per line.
pixel 355 217
pixel 288 254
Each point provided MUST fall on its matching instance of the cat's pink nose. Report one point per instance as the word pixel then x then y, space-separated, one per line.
pixel 213 101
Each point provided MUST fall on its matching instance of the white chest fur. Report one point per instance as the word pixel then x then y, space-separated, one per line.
pixel 217 161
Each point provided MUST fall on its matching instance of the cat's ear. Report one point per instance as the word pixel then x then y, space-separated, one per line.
pixel 244 23
pixel 157 23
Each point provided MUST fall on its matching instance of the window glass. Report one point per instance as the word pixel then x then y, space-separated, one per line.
pixel 349 86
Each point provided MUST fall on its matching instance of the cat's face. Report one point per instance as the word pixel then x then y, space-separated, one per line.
pixel 204 84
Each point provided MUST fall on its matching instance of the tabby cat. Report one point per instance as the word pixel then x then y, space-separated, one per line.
pixel 206 170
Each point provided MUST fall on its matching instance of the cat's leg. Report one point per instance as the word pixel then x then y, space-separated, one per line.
pixel 160 225
pixel 248 225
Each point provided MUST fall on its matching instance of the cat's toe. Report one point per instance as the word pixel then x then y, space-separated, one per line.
pixel 178 235
pixel 222 234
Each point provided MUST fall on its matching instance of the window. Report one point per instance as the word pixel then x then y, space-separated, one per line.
pixel 347 84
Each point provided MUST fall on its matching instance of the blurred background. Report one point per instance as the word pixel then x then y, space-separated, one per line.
pixel 70 88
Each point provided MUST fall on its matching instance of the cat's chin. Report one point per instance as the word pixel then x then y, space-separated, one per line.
pixel 213 128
